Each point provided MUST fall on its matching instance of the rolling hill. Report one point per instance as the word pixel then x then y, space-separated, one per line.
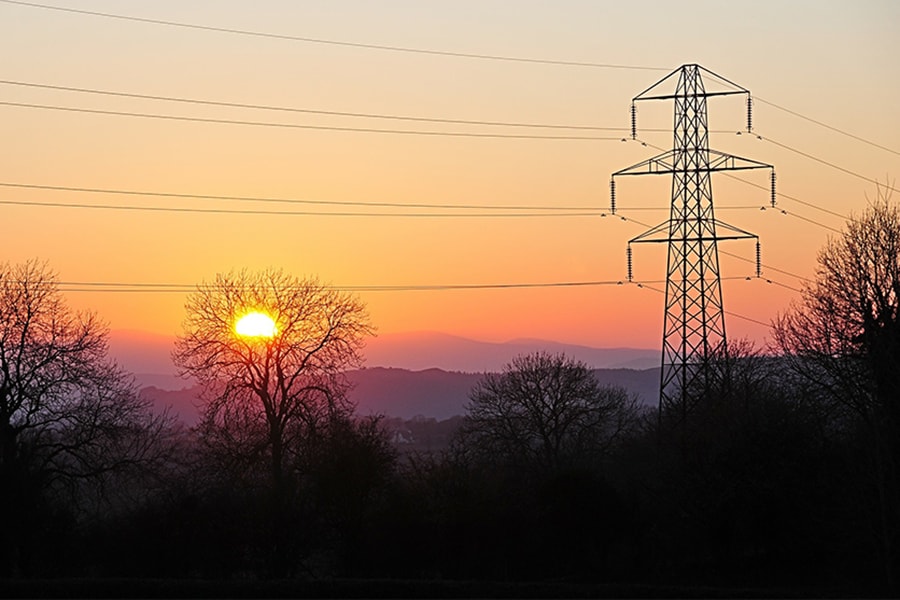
pixel 432 393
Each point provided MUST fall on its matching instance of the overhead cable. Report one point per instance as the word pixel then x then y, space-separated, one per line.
pixel 464 134
pixel 391 48
pixel 289 109
pixel 562 210
pixel 297 213
pixel 828 164
pixel 144 287
pixel 727 312
pixel 266 199
pixel 311 40
pixel 827 126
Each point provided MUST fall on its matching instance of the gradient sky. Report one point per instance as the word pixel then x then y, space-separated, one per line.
pixel 835 62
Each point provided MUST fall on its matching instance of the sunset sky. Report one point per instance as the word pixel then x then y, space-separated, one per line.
pixel 834 62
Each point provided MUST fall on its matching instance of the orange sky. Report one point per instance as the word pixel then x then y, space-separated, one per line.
pixel 832 61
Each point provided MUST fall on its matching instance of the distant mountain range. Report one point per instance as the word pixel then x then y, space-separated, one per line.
pixel 149 355
pixel 432 393
pixel 407 375
pixel 426 350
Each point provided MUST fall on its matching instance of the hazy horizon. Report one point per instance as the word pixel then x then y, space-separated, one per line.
pixel 146 354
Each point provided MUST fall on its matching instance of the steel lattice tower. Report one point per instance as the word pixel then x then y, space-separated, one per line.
pixel 694 326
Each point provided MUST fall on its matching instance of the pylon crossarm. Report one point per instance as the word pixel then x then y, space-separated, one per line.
pixel 645 95
pixel 658 165
pixel 719 161
pixel 719 238
pixel 662 228
pixel 700 95
pixel 698 238
pixel 642 95
pixel 664 164
pixel 741 234
pixel 738 89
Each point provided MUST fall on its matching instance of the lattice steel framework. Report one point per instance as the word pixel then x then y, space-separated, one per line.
pixel 694 322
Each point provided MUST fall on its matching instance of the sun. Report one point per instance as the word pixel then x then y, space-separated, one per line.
pixel 256 324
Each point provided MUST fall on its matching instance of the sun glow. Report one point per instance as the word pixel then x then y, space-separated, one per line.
pixel 256 324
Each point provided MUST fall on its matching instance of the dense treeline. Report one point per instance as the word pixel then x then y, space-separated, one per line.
pixel 760 488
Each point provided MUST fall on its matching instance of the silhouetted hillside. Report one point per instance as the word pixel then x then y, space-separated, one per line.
pixel 443 394
pixel 402 393
pixel 182 403
pixel 432 393
pixel 643 382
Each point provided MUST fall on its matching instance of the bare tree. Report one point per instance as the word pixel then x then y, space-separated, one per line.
pixel 845 334
pixel 843 340
pixel 546 410
pixel 68 416
pixel 265 394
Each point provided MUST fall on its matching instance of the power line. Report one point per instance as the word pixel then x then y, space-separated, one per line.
pixel 295 38
pixel 828 164
pixel 727 312
pixel 289 109
pixel 827 126
pixel 138 287
pixel 147 287
pixel 304 126
pixel 808 220
pixel 154 288
pixel 789 197
pixel 220 103
pixel 788 287
pixel 417 51
pixel 144 287
pixel 236 211
pixel 251 199
pixel 769 267
pixel 264 199
pixel 811 120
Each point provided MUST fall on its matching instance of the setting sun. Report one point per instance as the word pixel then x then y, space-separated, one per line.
pixel 256 324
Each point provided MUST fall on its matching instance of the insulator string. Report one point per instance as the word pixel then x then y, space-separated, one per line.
pixel 633 121
pixel 749 113
pixel 758 258
pixel 612 196
pixel 773 189
pixel 628 255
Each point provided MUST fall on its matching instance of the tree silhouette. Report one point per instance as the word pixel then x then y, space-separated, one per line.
pixel 69 417
pixel 843 340
pixel 265 396
pixel 545 410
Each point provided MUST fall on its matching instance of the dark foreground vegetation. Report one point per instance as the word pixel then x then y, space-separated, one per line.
pixel 759 493
pixel 776 476
pixel 386 588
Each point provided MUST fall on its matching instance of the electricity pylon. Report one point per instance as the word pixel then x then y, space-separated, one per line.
pixel 694 328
